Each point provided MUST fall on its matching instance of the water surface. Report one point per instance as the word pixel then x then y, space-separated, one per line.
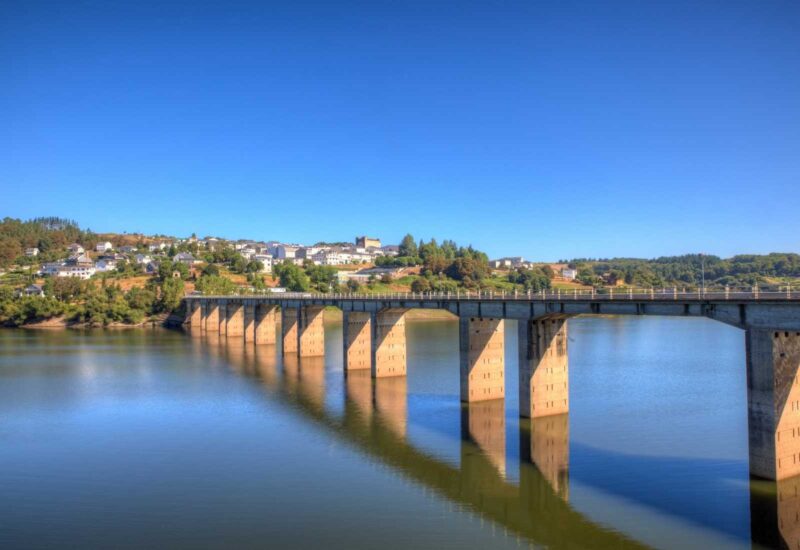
pixel 156 438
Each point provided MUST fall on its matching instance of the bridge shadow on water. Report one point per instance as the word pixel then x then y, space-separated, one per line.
pixel 374 422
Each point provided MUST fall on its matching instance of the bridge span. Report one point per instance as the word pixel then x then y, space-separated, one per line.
pixel 374 340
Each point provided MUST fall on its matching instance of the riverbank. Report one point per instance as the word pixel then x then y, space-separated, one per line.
pixel 174 321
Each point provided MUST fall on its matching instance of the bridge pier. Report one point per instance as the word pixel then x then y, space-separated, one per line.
pixel 357 339
pixel 290 318
pixel 311 331
pixel 482 358
pixel 388 328
pixel 234 325
pixel 265 324
pixel 194 315
pixel 773 402
pixel 543 367
pixel 250 320
pixel 222 327
pixel 212 316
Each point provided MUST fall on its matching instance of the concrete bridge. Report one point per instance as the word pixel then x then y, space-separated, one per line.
pixel 374 341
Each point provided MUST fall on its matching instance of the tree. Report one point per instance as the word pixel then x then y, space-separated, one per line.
pixel 171 294
pixel 322 277
pixel 292 277
pixel 215 285
pixel 254 266
pixel 238 263
pixel 530 279
pixel 468 270
pixel 420 284
pixel 408 247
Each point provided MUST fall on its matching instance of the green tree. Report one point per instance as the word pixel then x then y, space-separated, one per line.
pixel 292 277
pixel 408 247
pixel 171 294
pixel 420 284
pixel 215 285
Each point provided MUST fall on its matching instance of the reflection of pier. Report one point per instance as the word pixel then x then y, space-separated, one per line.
pixel 375 419
pixel 774 504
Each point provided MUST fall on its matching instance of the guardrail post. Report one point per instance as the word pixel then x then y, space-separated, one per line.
pixel 592 293
pixel 674 293
pixel 611 293
pixel 755 291
pixel 727 292
pixel 576 293
pixel 559 294
pixel 652 294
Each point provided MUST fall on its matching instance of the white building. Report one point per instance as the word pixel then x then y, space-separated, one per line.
pixel 31 252
pixel 285 251
pixel 104 247
pixel 81 259
pixel 106 264
pixel 185 257
pixel 266 261
pixel 51 269
pixel 33 290
pixel 79 271
pixel 143 259
pixel 569 273
pixel 248 252
pixel 76 249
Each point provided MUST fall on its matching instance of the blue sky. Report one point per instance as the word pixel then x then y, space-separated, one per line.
pixel 543 129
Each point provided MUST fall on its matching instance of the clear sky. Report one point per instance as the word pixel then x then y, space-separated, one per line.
pixel 544 129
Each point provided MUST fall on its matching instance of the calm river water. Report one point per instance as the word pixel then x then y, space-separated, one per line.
pixel 146 439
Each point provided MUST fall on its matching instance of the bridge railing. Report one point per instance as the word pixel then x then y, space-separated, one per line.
pixel 604 294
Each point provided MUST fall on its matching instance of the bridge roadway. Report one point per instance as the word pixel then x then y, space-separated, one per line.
pixel 374 340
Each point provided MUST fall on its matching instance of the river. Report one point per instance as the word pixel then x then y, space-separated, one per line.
pixel 153 438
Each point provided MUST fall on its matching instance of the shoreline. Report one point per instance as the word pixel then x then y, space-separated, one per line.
pixel 174 322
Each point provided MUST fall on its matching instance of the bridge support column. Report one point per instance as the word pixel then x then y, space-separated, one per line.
pixel 543 367
pixel 212 316
pixel 388 343
pixel 250 320
pixel 234 326
pixel 312 331
pixel 194 314
pixel 773 402
pixel 357 339
pixel 204 315
pixel 266 317
pixel 290 318
pixel 222 328
pixel 481 350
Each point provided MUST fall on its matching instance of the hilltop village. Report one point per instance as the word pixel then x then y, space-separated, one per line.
pixel 50 268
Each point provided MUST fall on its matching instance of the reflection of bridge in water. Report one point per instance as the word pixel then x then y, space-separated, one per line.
pixel 374 421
